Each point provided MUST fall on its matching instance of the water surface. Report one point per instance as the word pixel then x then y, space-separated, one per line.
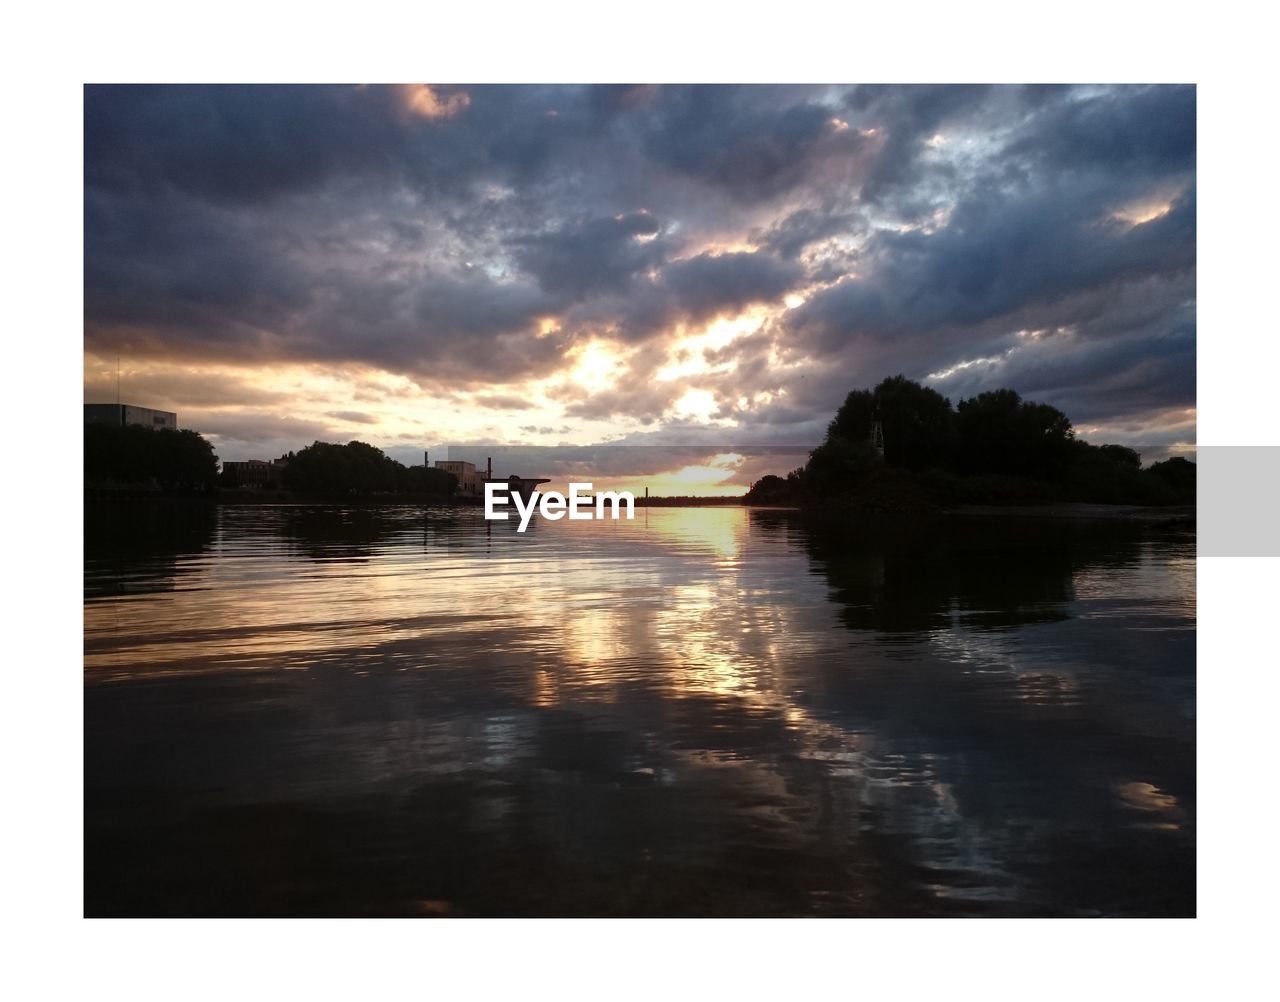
pixel 399 711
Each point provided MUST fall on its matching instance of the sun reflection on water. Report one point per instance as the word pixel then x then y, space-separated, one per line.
pixel 794 690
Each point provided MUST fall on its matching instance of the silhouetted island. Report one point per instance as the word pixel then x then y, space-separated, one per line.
pixel 902 447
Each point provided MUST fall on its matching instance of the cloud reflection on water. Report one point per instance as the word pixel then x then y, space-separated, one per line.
pixel 706 711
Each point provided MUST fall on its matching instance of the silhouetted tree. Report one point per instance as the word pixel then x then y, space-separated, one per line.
pixel 769 489
pixel 136 454
pixel 425 480
pixel 1122 454
pixel 917 422
pixel 839 464
pixel 1178 474
pixel 999 432
pixel 1109 474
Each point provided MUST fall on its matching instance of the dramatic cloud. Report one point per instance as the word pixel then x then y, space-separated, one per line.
pixel 592 256
pixel 548 265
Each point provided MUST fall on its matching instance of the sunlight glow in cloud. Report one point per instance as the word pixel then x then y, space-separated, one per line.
pixel 424 102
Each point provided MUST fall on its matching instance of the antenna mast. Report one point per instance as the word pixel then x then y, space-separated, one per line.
pixel 877 435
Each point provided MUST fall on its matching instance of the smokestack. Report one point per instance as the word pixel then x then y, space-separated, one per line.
pixel 426 459
pixel 489 468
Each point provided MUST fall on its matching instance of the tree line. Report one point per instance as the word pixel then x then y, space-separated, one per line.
pixel 183 460
pixel 995 447
pixel 360 468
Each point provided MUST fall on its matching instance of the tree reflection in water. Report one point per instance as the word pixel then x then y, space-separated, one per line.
pixel 709 712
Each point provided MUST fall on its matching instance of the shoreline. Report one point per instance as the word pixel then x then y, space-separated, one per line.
pixel 1083 511
pixel 1065 511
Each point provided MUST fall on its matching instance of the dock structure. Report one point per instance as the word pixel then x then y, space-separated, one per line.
pixel 526 487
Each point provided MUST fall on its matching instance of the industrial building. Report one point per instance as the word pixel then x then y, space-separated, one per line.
pixel 120 415
pixel 471 481
pixel 255 472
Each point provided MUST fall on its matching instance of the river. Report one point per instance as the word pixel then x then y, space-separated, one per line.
pixel 295 710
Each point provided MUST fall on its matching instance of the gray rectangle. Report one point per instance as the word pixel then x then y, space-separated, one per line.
pixel 1236 501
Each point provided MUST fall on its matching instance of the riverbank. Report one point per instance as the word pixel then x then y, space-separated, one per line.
pixel 109 495
pixel 1166 515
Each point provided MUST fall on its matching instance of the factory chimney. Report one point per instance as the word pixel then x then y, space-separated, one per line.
pixel 489 468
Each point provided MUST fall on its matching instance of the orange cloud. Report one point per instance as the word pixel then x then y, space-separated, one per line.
pixel 423 101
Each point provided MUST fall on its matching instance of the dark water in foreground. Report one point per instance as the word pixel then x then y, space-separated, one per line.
pixel 311 711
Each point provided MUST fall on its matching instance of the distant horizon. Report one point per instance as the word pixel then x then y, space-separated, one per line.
pixel 711 470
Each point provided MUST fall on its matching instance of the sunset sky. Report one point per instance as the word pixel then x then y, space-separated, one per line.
pixel 424 265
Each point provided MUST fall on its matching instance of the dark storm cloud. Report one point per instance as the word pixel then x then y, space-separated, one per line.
pixel 706 286
pixel 908 117
pixel 472 236
pixel 249 144
pixel 996 256
pixel 1037 239
pixel 691 291
pixel 1149 130
pixel 166 275
pixel 754 143
pixel 709 284
pixel 791 236
pixel 242 144
pixel 591 256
